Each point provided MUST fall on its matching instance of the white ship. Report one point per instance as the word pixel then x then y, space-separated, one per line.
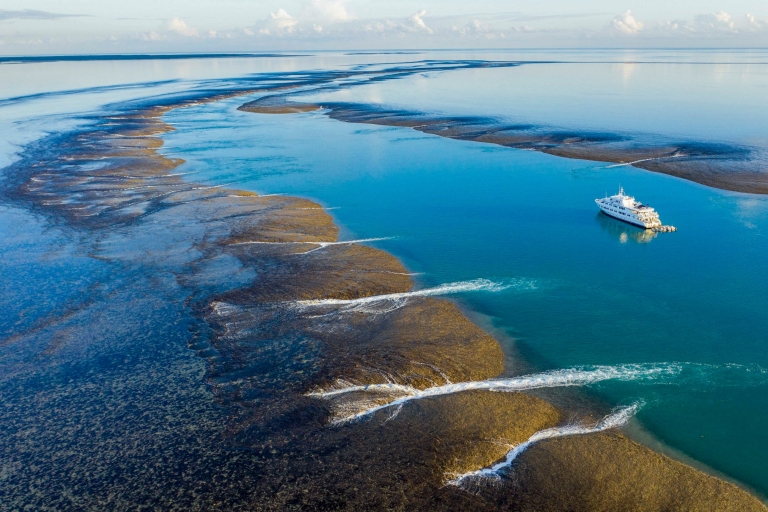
pixel 625 208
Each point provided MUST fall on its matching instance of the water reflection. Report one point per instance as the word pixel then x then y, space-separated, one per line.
pixel 623 231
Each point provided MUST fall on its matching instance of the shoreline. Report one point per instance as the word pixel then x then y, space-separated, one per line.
pixel 277 416
pixel 638 433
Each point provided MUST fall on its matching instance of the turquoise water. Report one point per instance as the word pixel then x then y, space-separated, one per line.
pixel 603 295
pixel 601 292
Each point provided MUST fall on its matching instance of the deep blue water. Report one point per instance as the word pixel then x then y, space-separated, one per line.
pixel 603 294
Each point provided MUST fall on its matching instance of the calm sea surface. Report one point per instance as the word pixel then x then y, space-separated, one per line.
pixel 597 291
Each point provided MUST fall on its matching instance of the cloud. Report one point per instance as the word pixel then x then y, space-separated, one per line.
pixel 712 27
pixel 417 21
pixel 30 14
pixel 151 36
pixel 480 29
pixel 626 23
pixel 326 11
pixel 753 23
pixel 718 21
pixel 414 24
pixel 277 23
pixel 672 27
pixel 473 27
pixel 329 19
pixel 330 22
pixel 178 26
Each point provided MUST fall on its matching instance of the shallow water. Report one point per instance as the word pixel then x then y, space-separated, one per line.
pixel 597 292
pixel 605 292
pixel 628 94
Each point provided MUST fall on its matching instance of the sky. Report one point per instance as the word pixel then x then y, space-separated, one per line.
pixel 47 27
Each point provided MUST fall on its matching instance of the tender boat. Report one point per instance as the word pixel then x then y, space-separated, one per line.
pixel 624 207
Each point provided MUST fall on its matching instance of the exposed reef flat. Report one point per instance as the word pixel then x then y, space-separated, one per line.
pixel 607 472
pixel 724 166
pixel 315 314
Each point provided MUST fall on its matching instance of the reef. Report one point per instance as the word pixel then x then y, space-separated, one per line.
pixel 723 166
pixel 319 314
pixel 610 472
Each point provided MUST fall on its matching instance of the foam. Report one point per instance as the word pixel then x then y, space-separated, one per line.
pixel 321 245
pixel 616 419
pixel 626 164
pixel 582 376
pixel 408 390
pixel 474 285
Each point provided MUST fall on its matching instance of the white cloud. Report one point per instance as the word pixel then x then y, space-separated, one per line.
pixel 481 29
pixel 720 21
pixel 326 11
pixel 626 23
pixel 342 24
pixel 753 23
pixel 673 28
pixel 414 24
pixel 417 21
pixel 712 26
pixel 380 26
pixel 151 36
pixel 330 20
pixel 277 23
pixel 473 27
pixel 282 21
pixel 178 26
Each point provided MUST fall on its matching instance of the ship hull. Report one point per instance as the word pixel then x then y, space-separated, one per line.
pixel 624 218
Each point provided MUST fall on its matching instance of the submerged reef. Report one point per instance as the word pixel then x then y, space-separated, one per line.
pixel 306 355
pixel 724 166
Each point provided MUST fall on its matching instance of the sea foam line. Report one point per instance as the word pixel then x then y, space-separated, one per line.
pixel 321 245
pixel 557 378
pixel 474 285
pixel 613 420
pixel 625 164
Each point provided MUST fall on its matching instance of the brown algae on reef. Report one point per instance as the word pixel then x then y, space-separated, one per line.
pixel 607 471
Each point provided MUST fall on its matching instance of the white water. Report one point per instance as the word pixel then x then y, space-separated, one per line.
pixel 626 164
pixel 616 419
pixel 408 390
pixel 396 300
pixel 556 378
pixel 444 289
pixel 321 245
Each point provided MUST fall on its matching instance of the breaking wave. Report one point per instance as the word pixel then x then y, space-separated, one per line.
pixel 398 299
pixel 321 245
pixel 356 410
pixel 626 164
pixel 613 420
